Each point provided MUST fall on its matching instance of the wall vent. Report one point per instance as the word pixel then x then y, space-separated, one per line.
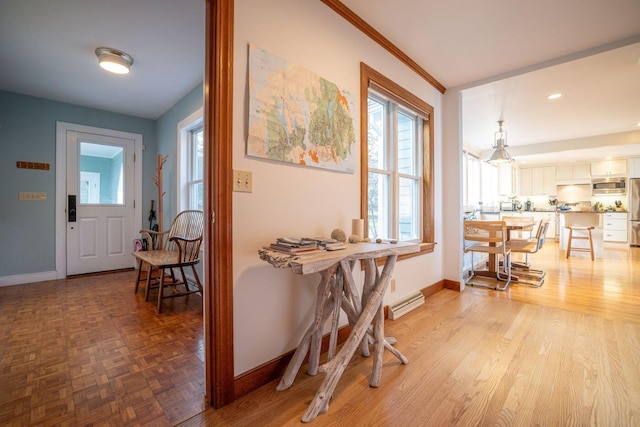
pixel 402 307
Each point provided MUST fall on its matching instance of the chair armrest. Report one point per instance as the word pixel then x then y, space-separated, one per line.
pixel 155 239
pixel 188 249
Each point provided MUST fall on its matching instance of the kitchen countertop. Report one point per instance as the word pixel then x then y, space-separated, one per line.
pixel 580 212
pixel 595 212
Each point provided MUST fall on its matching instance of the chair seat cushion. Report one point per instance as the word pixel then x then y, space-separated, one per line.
pixel 529 246
pixel 486 249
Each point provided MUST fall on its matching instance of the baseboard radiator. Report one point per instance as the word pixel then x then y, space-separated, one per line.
pixel 400 308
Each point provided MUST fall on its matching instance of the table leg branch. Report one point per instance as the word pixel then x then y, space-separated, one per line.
pixel 337 366
pixel 321 315
pixel 378 347
pixel 327 279
pixel 352 290
pixel 336 298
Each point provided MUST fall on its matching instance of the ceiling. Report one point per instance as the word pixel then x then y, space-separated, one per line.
pixel 509 56
pixel 505 56
pixel 47 50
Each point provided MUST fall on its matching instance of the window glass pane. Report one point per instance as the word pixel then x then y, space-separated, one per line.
pixel 195 196
pixel 408 209
pixel 378 212
pixel 376 134
pixel 473 181
pixel 101 174
pixel 406 144
pixel 490 187
pixel 198 154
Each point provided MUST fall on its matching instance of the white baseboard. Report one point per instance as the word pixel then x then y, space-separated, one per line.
pixel 27 278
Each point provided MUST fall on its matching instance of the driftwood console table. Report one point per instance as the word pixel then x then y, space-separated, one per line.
pixel 337 290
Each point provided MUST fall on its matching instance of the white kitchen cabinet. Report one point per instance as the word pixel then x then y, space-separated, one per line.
pixel 582 172
pixel 506 183
pixel 547 216
pixel 573 174
pixel 525 182
pixel 539 181
pixel 548 181
pixel 551 231
pixel 564 172
pixel 614 227
pixel 537 175
pixel 607 168
pixel 634 167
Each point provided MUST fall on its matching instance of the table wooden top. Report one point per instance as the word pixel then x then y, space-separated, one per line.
pixel 519 223
pixel 315 262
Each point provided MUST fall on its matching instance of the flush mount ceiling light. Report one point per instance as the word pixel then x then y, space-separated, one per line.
pixel 114 60
pixel 554 96
pixel 500 154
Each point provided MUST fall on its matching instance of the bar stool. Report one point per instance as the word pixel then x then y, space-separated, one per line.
pixel 573 228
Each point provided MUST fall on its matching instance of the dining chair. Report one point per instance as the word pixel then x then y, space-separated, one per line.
pixel 176 248
pixel 488 237
pixel 525 274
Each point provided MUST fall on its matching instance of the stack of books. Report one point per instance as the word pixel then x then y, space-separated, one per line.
pixel 328 243
pixel 294 245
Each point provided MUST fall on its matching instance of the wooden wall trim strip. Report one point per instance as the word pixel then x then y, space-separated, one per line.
pixel 218 273
pixel 272 370
pixel 342 10
pixel 452 284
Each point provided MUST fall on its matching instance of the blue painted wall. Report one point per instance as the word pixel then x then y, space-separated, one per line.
pixel 167 131
pixel 28 133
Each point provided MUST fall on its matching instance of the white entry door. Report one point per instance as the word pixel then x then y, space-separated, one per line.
pixel 100 202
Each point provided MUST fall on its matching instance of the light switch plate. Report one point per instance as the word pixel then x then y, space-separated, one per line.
pixel 242 181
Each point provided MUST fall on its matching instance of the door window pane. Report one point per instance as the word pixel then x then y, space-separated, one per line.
pixel 101 174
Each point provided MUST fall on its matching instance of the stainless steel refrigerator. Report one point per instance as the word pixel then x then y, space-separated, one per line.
pixel 634 211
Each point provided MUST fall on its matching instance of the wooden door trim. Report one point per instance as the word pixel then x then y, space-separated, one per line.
pixel 218 270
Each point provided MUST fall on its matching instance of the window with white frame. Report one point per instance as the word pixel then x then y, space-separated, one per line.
pixel 480 182
pixel 395 174
pixel 397 195
pixel 191 162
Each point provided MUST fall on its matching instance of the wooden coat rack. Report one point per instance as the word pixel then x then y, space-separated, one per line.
pixel 157 178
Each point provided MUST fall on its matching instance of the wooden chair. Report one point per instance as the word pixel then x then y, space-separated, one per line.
pixel 176 248
pixel 572 237
pixel 488 237
pixel 527 275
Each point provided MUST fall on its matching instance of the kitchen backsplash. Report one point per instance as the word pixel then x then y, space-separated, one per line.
pixel 566 193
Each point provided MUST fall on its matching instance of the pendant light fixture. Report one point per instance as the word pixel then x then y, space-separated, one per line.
pixel 114 60
pixel 500 154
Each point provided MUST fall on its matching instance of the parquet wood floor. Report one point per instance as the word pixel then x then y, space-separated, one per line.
pixel 88 351
pixel 567 353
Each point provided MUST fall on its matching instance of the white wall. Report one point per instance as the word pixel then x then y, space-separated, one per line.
pixel 274 307
pixel 452 185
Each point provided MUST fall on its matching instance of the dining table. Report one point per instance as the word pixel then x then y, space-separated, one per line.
pixel 513 223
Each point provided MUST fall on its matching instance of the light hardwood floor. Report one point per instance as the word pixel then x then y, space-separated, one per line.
pixel 567 353
pixel 87 351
